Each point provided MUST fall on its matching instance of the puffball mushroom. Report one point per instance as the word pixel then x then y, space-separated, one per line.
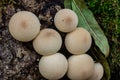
pixel 81 67
pixel 24 26
pixel 66 20
pixel 79 41
pixel 53 67
pixel 47 42
pixel 98 72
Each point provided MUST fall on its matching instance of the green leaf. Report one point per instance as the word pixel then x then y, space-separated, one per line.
pixel 67 4
pixel 87 21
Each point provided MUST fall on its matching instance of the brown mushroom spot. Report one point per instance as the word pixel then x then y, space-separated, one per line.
pixel 85 39
pixel 50 34
pixel 24 24
pixel 68 20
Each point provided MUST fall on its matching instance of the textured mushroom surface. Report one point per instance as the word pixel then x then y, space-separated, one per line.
pixel 66 20
pixel 81 67
pixel 47 42
pixel 24 26
pixel 54 66
pixel 79 41
pixel 98 72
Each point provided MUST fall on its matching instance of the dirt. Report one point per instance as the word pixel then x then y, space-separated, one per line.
pixel 19 60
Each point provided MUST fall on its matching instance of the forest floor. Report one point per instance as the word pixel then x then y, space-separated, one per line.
pixel 19 61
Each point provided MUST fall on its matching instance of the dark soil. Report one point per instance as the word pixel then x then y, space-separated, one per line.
pixel 19 60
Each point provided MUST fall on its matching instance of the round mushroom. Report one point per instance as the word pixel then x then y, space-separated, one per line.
pixel 47 42
pixel 53 67
pixel 24 26
pixel 79 41
pixel 81 67
pixel 98 72
pixel 66 20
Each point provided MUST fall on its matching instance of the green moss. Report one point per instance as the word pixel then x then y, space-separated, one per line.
pixel 6 2
pixel 107 13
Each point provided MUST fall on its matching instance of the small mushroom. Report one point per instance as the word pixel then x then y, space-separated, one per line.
pixel 53 67
pixel 98 72
pixel 47 42
pixel 81 67
pixel 79 41
pixel 24 26
pixel 66 20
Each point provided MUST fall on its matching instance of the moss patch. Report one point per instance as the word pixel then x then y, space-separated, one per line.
pixel 107 13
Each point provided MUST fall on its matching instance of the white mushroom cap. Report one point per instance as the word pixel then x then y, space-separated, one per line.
pixel 47 42
pixel 79 41
pixel 98 72
pixel 66 20
pixel 24 26
pixel 81 67
pixel 54 66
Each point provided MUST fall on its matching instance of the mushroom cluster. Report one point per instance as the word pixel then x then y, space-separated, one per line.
pixel 78 41
pixel 25 26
